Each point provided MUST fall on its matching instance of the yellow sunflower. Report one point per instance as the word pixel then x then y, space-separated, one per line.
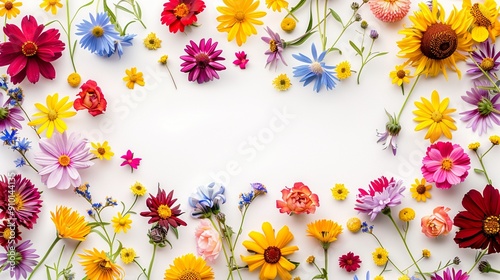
pixel 339 192
pixel 9 8
pixel 326 231
pixel 270 252
pixel 238 19
pixel 189 267
pixel 70 224
pixel 127 255
pixel 98 265
pixel 102 151
pixel 51 5
pixel 434 44
pixel 343 70
pixel 435 116
pixel 420 191
pixel 485 20
pixel 50 117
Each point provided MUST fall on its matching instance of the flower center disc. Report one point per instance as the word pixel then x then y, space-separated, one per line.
pixel 52 115
pixel 421 189
pixel 487 64
pixel 479 18
pixel 8 5
pixel 29 48
pixel 101 151
pixel 447 164
pixel 316 68
pixel 64 160
pixel 202 60
pixel 18 202
pixel 52 2
pixel 190 275
pixel 401 74
pixel 272 254
pixel 436 116
pixel 491 225
pixel 239 16
pixel 439 41
pixel 97 31
pixel 272 46
pixel 164 212
pixel 181 10
pixel 6 234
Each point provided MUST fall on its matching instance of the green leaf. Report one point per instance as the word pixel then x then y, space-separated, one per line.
pixel 334 49
pixel 336 16
pixel 176 233
pixel 319 276
pixel 355 47
pixel 298 6
pixel 301 39
pixel 139 11
pixel 100 234
pixel 477 170
pixel 310 23
pixel 124 9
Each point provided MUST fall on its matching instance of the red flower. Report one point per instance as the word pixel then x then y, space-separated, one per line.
pixel 349 262
pixel 298 199
pixel 480 222
pixel 162 210
pixel 30 51
pixel 130 160
pixel 241 59
pixel 180 13
pixel 91 98
pixel 10 234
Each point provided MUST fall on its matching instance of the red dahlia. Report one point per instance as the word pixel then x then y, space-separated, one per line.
pixel 162 210
pixel 180 13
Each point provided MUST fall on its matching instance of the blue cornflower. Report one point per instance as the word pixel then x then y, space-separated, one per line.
pixel 367 276
pixel 245 199
pixel 99 35
pixel 258 188
pixel 119 44
pixel 207 200
pixel 97 205
pixel 15 96
pixel 315 70
pixel 20 162
pixel 365 228
pixel 90 212
pixel 9 138
pixel 110 201
pixel 22 145
pixel 83 190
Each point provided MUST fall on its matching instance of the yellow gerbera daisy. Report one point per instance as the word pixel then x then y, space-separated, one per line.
pixel 121 223
pixel 152 42
pixel 9 8
pixel 127 255
pixel 339 192
pixel 138 189
pixel 189 267
pixel 343 70
pixel 420 190
pixel 70 224
pixel 400 75
pixel 326 231
pixel 98 265
pixel 133 77
pixel 433 44
pixel 102 151
pixel 485 23
pixel 51 5
pixel 277 5
pixel 50 117
pixel 238 19
pixel 380 256
pixel 282 82
pixel 270 252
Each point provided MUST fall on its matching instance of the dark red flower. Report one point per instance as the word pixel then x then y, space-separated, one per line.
pixel 91 98
pixel 30 51
pixel 9 234
pixel 349 262
pixel 162 210
pixel 180 13
pixel 480 222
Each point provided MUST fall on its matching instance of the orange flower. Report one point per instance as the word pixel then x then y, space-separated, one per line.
pixel 298 199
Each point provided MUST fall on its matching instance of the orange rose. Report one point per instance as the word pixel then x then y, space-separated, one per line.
pixel 298 199
pixel 438 223
pixel 91 98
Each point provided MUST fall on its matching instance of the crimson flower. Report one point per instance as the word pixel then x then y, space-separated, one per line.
pixel 161 210
pixel 30 51
pixel 91 98
pixel 241 59
pixel 177 14
pixel 130 160
pixel 349 262
pixel 201 61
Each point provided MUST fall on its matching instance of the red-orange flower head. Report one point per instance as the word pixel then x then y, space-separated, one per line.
pixel 297 200
pixel 180 13
pixel 91 98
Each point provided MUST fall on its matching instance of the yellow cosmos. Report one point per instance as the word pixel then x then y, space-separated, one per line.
pixel 326 231
pixel 70 224
pixel 400 75
pixel 238 19
pixel 9 8
pixel 133 77
pixel 98 265
pixel 102 151
pixel 121 223
pixel 435 116
pixel 485 23
pixel 277 5
pixel 50 117
pixel 434 44
pixel 270 252
pixel 189 267
pixel 420 191
pixel 51 5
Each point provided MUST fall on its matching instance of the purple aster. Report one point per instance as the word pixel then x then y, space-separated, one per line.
pixel 276 46
pixel 382 193
pixel 451 275
pixel 61 156
pixel 24 260
pixel 201 61
pixel 487 59
pixel 486 111
pixel 10 116
pixel 207 200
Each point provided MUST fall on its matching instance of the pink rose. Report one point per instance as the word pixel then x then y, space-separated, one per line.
pixel 208 243
pixel 298 199
pixel 438 223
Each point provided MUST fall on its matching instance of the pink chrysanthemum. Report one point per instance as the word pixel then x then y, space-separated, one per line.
pixel 382 193
pixel 201 61
pixel 390 11
pixel 445 164
pixel 61 156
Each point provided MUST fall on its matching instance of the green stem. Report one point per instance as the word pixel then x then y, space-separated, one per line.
pixel 73 254
pixel 323 38
pixel 407 98
pixel 142 269
pixel 478 259
pixel 44 257
pixel 150 269
pixel 364 61
pixel 217 228
pixel 390 261
pixel 4 24
pixel 480 158
pixel 68 34
pixel 171 77
pixel 28 117
pixel 325 251
pixel 110 244
pixel 291 14
pixel 27 161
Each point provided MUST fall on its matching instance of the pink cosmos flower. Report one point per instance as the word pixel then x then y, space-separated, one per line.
pixel 241 59
pixel 61 157
pixel 382 193
pixel 208 242
pixel 438 223
pixel 445 164
pixel 390 11
pixel 130 160
pixel 297 200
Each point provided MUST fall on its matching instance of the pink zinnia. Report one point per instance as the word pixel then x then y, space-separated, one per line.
pixel 445 164
pixel 201 61
pixel 381 194
pixel 390 11
pixel 61 157
pixel 130 160
pixel 30 51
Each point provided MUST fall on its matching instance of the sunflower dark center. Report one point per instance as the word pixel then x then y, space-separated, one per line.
pixel 479 18
pixel 104 264
pixel 485 106
pixel 190 275
pixel 487 64
pixel 491 225
pixel 401 74
pixel 8 5
pixel 29 48
pixel 202 60
pixel 439 41
pixel 421 189
pixel 272 254
pixel 282 82
pixel 181 10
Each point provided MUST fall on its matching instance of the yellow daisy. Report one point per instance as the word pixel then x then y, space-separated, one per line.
pixel 238 19
pixel 400 75
pixel 9 8
pixel 282 82
pixel 189 267
pixel 98 265
pixel 435 116
pixel 380 256
pixel 277 5
pixel 121 223
pixel 270 252
pixel 339 192
pixel 51 5
pixel 434 44
pixel 102 151
pixel 152 42
pixel 326 231
pixel 127 255
pixel 50 117
pixel 133 77
pixel 420 190
pixel 70 224
pixel 343 70
pixel 485 20
pixel 138 189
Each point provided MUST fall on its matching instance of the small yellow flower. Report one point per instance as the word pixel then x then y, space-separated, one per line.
pixel 434 115
pixel 404 277
pixel 163 59
pixel 51 5
pixel 495 139
pixel 379 277
pixel 127 255
pixel 50 117
pixel 380 256
pixel 400 75
pixel 9 8
pixel 276 5
pixel 152 42
pixel 426 253
pixel 310 259
pixel 74 79
pixel 420 190
pixel 133 77
pixel 406 214
pixel 288 24
pixel 102 151
pixel 343 70
pixel 138 189
pixel 282 82
pixel 325 231
pixel 121 222
pixel 354 224
pixel 339 192
pixel 474 146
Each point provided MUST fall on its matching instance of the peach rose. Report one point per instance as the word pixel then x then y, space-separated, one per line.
pixel 208 243
pixel 438 223
pixel 298 199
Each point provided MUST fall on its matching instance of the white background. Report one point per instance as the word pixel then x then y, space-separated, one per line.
pixel 232 130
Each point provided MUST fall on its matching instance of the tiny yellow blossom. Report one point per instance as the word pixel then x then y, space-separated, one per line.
pixel 339 192
pixel 354 224
pixel 495 139
pixel 406 214
pixel 74 79
pixel 288 24
pixel 426 253
pixel 474 146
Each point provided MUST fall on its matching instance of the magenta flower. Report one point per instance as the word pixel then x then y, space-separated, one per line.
pixel 23 263
pixel 61 157
pixel 241 59
pixel 382 194
pixel 130 160
pixel 10 116
pixel 486 111
pixel 201 61
pixel 274 53
pixel 445 164
pixel 451 275
pixel 487 59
